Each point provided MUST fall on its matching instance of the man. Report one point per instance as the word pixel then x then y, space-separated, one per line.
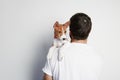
pixel 80 61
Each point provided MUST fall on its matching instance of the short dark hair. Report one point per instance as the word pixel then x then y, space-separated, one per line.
pixel 80 26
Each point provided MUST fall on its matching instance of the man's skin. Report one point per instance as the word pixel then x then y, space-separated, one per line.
pixel 48 77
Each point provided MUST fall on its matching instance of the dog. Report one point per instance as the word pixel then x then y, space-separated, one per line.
pixel 60 31
pixel 60 38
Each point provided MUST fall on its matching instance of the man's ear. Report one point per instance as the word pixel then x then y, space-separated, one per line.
pixel 56 24
pixel 67 24
pixel 70 35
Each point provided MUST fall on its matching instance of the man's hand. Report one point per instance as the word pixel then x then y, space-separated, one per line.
pixel 47 77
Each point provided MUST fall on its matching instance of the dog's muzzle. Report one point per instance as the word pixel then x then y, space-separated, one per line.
pixel 64 38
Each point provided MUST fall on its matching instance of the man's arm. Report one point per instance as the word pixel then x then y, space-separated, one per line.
pixel 47 77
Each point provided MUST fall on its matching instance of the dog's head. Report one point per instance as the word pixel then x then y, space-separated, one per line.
pixel 60 30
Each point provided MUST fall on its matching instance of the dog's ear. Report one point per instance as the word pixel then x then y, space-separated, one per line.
pixel 56 24
pixel 67 24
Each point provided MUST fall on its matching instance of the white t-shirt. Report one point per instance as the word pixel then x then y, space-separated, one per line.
pixel 80 62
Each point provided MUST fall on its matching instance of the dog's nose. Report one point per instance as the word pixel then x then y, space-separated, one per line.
pixel 64 38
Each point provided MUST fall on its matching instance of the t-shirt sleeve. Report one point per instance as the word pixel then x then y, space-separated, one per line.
pixel 47 68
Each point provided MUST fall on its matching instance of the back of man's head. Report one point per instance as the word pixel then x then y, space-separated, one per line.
pixel 80 26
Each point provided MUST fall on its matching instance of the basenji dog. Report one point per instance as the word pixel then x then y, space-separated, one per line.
pixel 60 38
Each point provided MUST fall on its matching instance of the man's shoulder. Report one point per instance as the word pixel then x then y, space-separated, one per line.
pixel 66 46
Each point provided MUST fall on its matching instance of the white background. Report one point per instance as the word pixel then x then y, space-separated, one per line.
pixel 26 33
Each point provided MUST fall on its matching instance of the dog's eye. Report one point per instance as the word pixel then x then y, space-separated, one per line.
pixel 65 31
pixel 59 31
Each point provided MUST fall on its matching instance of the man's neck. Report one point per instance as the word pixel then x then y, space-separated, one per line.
pixel 79 41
